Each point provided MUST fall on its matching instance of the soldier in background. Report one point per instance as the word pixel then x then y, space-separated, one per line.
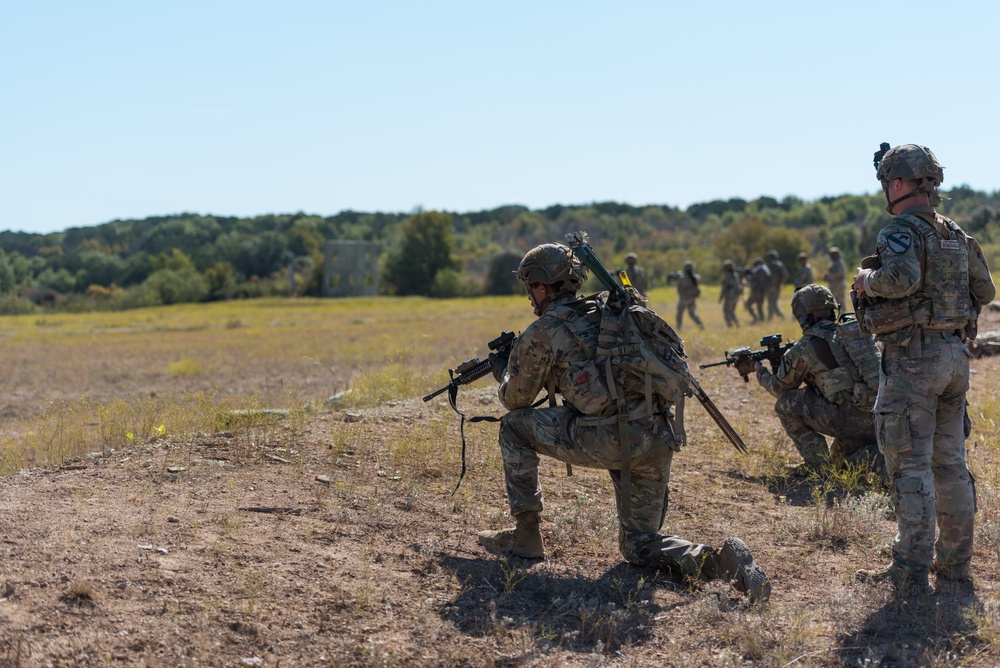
pixel 805 274
pixel 836 276
pixel 921 300
pixel 688 291
pixel 778 276
pixel 758 280
pixel 636 274
pixel 836 399
pixel 732 290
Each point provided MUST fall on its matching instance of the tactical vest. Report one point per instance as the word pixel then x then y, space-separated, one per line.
pixel 855 380
pixel 629 349
pixel 942 302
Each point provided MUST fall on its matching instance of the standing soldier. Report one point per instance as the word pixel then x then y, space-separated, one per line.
pixel 778 275
pixel 921 299
pixel 836 276
pixel 636 274
pixel 729 295
pixel 805 275
pixel 687 292
pixel 759 280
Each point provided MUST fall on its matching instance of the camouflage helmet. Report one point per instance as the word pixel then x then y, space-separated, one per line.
pixel 801 256
pixel 814 300
pixel 771 255
pixel 834 250
pixel 728 264
pixel 912 162
pixel 631 258
pixel 688 264
pixel 551 264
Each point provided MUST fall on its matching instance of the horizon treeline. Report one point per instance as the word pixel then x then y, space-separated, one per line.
pixel 193 258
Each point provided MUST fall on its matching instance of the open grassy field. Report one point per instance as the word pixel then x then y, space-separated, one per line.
pixel 143 524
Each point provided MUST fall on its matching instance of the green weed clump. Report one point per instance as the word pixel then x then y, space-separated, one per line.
pixel 387 383
pixel 184 368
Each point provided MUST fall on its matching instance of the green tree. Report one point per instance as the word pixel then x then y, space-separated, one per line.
pixel 427 247
pixel 500 277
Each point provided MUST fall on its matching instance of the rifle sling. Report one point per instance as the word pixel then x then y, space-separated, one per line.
pixel 452 398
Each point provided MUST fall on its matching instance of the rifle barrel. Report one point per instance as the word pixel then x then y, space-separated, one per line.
pixel 470 376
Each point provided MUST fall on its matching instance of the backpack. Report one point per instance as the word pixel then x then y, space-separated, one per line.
pixel 637 354
pixel 865 358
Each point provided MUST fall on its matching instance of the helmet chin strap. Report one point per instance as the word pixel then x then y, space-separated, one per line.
pixel 891 205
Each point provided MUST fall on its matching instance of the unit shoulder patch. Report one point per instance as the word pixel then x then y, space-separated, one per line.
pixel 898 242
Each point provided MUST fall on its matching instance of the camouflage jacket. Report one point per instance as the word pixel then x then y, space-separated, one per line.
pixel 813 362
pixel 760 278
pixel 637 276
pixel 836 274
pixel 732 285
pixel 805 276
pixel 687 286
pixel 901 247
pixel 778 273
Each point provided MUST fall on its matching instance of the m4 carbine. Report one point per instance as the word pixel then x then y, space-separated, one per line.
pixel 744 359
pixel 473 369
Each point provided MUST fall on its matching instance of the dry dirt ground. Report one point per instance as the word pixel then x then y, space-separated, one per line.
pixel 336 540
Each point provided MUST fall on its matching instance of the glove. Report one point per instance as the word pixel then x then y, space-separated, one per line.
pixel 744 366
pixel 499 365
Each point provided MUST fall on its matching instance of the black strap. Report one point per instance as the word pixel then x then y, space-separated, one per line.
pixel 452 397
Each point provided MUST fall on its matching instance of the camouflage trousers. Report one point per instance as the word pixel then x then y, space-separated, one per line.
pixel 756 299
pixel 687 304
pixel 564 434
pixel 920 420
pixel 807 417
pixel 773 295
pixel 729 310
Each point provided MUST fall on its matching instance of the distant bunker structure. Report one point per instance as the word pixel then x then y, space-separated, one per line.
pixel 350 269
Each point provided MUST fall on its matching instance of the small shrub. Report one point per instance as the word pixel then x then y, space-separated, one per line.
pixel 184 368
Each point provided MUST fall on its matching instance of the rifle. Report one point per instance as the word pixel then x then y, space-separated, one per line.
pixel 470 371
pixel 744 359
pixel 862 302
pixel 583 251
pixel 473 369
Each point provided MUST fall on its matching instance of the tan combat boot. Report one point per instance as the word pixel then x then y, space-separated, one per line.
pixel 737 565
pixel 901 578
pixel 524 540
pixel 960 573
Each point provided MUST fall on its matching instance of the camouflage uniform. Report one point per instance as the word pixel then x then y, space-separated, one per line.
pixel 805 276
pixel 778 275
pixel 929 269
pixel 636 274
pixel 687 292
pixel 836 277
pixel 760 279
pixel 828 404
pixel 538 361
pixel 729 295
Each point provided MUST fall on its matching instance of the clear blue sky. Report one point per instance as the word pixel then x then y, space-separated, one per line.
pixel 132 109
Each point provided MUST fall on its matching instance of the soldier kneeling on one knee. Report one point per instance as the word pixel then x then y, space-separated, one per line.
pixel 826 384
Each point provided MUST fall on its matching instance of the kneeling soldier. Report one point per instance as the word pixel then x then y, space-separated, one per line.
pixel 838 369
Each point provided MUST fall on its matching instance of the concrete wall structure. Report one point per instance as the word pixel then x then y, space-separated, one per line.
pixel 350 269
